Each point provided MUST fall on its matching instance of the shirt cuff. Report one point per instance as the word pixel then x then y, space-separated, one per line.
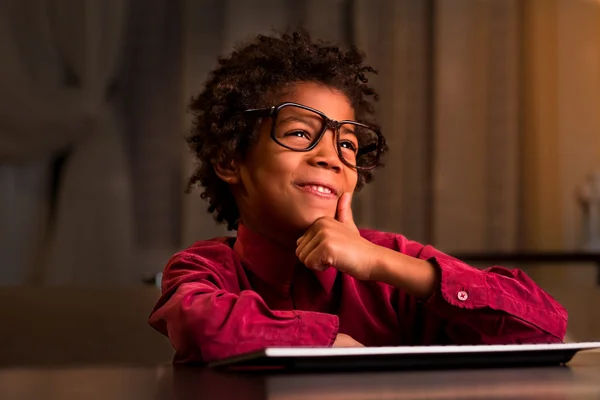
pixel 317 329
pixel 461 287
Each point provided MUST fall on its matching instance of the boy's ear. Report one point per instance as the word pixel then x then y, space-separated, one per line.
pixel 228 171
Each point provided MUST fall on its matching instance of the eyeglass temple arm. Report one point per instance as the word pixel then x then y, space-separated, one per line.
pixel 367 149
pixel 263 112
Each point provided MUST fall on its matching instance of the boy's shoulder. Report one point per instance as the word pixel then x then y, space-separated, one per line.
pixel 217 250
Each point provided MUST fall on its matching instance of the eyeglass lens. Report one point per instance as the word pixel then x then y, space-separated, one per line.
pixel 297 128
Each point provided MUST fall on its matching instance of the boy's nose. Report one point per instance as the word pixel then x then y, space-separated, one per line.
pixel 325 153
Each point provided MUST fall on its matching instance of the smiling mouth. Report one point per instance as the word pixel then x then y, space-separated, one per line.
pixel 318 190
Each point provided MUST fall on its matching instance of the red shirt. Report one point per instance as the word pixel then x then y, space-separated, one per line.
pixel 227 296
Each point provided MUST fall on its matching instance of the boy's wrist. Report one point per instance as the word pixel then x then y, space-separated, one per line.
pixel 386 266
pixel 417 277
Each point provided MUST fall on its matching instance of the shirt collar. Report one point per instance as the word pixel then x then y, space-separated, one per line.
pixel 272 263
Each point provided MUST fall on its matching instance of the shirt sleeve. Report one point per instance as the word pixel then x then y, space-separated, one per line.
pixel 207 317
pixel 492 306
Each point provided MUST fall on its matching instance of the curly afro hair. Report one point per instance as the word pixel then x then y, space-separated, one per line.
pixel 252 77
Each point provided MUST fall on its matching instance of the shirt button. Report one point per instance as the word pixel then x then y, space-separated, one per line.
pixel 462 295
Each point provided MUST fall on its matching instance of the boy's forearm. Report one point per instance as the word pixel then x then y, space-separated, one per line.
pixel 419 278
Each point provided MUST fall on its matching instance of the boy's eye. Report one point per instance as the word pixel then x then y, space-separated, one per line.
pixel 298 134
pixel 346 144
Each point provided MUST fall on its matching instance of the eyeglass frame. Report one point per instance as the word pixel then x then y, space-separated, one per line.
pixel 273 111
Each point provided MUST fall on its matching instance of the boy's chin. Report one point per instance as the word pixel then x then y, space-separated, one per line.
pixel 307 219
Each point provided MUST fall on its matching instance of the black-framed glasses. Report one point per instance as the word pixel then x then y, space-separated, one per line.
pixel 300 128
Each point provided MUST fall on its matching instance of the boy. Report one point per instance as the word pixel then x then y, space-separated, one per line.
pixel 277 164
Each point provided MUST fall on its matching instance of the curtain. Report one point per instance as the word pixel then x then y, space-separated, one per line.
pixel 152 107
pixel 56 97
pixel 396 37
pixel 476 144
pixel 449 108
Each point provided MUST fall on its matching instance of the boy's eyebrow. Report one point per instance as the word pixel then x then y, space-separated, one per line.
pixel 308 121
pixel 347 130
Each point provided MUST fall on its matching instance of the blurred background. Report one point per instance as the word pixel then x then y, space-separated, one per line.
pixel 491 109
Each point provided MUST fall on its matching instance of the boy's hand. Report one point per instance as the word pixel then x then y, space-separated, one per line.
pixel 343 340
pixel 337 243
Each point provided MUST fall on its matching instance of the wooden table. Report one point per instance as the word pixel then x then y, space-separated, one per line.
pixel 579 380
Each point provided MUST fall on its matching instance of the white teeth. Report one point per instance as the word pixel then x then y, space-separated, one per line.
pixel 321 189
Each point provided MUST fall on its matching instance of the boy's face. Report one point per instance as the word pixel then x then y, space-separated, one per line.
pixel 281 191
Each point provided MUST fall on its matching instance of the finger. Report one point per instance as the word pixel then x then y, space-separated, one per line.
pixel 310 240
pixel 311 231
pixel 307 248
pixel 344 210
pixel 305 239
pixel 318 259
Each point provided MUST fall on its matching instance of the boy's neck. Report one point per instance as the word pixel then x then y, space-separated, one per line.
pixel 283 239
pixel 272 261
